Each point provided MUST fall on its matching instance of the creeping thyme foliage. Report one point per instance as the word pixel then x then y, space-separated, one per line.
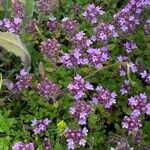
pixel 88 83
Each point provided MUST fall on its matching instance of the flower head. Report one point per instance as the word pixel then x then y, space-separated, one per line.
pixel 78 87
pixel 48 89
pixel 50 48
pixel 130 46
pixel 69 25
pixel 97 56
pixel 40 125
pixel 23 146
pixel 132 124
pixel 105 31
pixel 24 80
pixel 73 59
pixel 104 97
pixel 80 111
pixel 46 144
pixel 75 137
pixel 93 12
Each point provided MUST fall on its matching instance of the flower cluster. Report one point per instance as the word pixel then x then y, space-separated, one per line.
pixel 31 26
pixel 92 12
pixel 125 88
pixel 69 25
pixel 98 56
pixel 40 125
pixel 146 76
pixel 122 145
pixel 104 31
pixel 47 144
pixel 132 124
pixel 10 86
pixel 18 9
pixel 126 21
pixel 79 86
pixel 48 89
pixel 73 59
pixel 130 46
pixel 128 18
pixel 123 67
pixel 46 6
pixel 81 41
pixel 12 26
pixel 104 97
pixel 76 137
pixel 50 48
pixel 24 80
pixel 52 24
pixel 139 104
pixel 147 26
pixel 137 6
pixel 21 146
pixel 80 111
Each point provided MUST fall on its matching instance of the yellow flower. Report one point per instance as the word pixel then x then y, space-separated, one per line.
pixel 61 126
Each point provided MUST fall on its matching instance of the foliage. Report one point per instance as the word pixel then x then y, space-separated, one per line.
pixel 41 41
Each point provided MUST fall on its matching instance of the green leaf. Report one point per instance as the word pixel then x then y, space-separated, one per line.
pixel 7 5
pixel 6 123
pixel 12 43
pixel 59 146
pixel 40 147
pixel 4 143
pixel 29 7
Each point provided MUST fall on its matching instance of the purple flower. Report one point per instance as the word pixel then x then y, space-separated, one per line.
pixel 13 26
pixel 105 31
pixel 93 12
pixel 40 125
pixel 80 111
pixel 146 76
pixel 126 20
pixel 136 113
pixel 81 41
pixel 125 88
pixel 132 124
pixel 130 46
pixel 31 26
pixel 47 144
pixel 24 80
pixel 73 59
pixel 133 67
pixel 147 26
pixel 147 109
pixel 48 89
pixel 104 97
pixel 50 48
pixel 18 9
pixel 123 67
pixel 23 146
pixel 52 23
pixel 76 137
pixel 97 57
pixel 137 6
pixel 138 102
pixel 79 86
pixel 46 6
pixel 69 25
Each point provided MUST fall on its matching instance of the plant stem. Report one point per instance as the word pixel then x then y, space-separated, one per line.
pixel 109 66
pixel 40 33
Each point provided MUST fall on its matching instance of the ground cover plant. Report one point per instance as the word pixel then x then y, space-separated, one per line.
pixel 74 74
